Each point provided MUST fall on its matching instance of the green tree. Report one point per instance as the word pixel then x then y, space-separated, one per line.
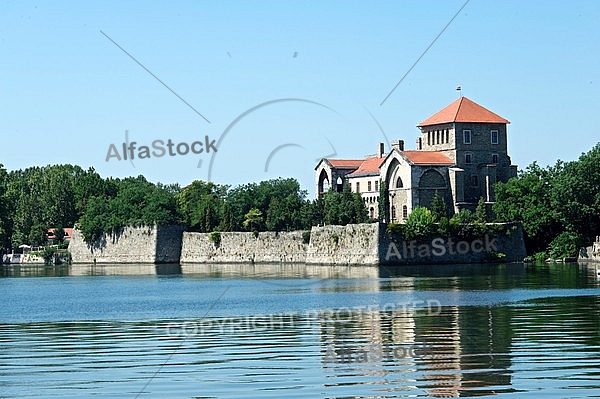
pixel 439 208
pixel 384 202
pixel 253 219
pixel 312 213
pixel 227 222
pixel 279 200
pixel 344 208
pixel 575 195
pixel 481 211
pixel 527 198
pixel 4 210
pixel 59 234
pixel 137 203
pixel 201 205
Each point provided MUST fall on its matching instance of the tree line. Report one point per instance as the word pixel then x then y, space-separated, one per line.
pixel 558 206
pixel 38 198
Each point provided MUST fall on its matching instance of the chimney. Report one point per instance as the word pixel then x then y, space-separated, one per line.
pixel 381 150
pixel 398 144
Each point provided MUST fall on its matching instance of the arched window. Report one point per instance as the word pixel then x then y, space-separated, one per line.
pixel 393 212
pixel 372 212
pixel 399 183
pixel 340 185
pixel 404 212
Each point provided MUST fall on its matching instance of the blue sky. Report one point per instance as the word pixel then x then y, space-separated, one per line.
pixel 67 92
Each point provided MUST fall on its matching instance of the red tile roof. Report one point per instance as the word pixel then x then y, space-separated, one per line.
pixel 428 158
pixel 68 232
pixel 345 163
pixel 463 110
pixel 368 166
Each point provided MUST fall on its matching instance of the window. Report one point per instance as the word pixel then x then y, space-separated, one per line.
pixel 372 212
pixel 358 187
pixel 467 136
pixel 369 185
pixel 376 185
pixel 429 138
pixel 475 181
pixel 447 136
pixel 494 136
pixel 399 183
pixel 468 159
pixel 404 212
pixel 393 212
pixel 437 133
pixel 350 186
pixel 494 158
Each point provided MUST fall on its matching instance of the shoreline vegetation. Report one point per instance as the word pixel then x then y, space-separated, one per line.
pixel 557 206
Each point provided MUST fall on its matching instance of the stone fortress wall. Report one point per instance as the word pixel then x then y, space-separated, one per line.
pixel 354 244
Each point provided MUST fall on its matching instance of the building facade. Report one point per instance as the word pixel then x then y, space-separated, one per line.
pixel 461 153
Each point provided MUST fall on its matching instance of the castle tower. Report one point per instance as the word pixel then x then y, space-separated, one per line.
pixel 475 138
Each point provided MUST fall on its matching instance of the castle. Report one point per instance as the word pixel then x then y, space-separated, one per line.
pixel 460 154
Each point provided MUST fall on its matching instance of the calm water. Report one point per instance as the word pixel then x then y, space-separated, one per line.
pixel 236 331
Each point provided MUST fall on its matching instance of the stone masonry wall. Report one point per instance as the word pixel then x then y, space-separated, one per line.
pixel 353 244
pixel 590 254
pixel 505 245
pixel 146 244
pixel 239 247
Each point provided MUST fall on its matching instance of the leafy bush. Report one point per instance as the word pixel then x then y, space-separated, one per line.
pixel 335 238
pixel 456 223
pixel 443 226
pixel 215 237
pixel 566 244
pixel 394 229
pixel 419 225
pixel 493 255
pixel 541 256
pixel 54 256
pixel 465 225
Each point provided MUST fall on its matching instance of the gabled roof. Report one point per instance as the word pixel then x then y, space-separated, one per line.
pixel 463 110
pixel 427 158
pixel 346 163
pixel 368 166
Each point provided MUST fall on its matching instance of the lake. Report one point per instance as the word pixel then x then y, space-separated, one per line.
pixel 296 331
